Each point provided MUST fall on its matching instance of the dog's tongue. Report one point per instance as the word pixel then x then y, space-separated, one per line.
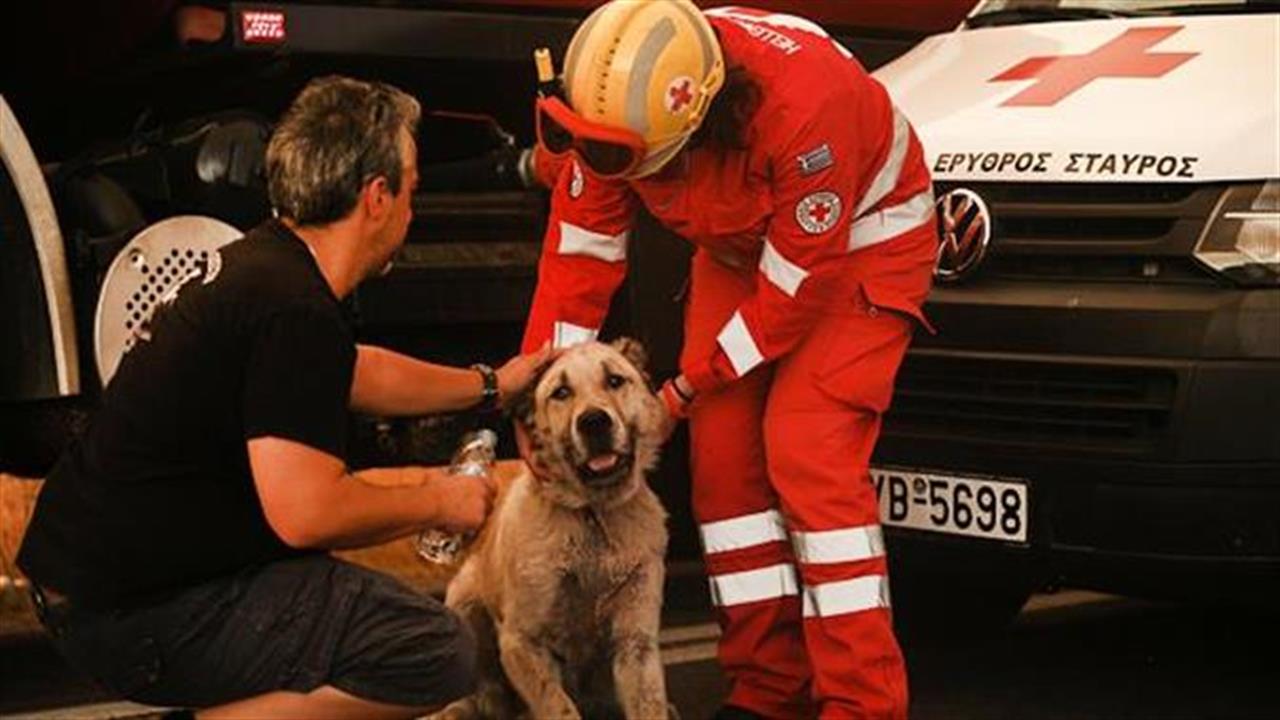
pixel 603 463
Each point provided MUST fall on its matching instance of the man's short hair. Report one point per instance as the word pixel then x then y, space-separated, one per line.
pixel 338 134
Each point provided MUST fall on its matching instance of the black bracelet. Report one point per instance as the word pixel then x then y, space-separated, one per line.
pixel 489 394
pixel 676 386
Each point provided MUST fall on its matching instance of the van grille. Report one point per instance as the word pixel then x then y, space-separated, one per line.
pixel 1096 232
pixel 994 399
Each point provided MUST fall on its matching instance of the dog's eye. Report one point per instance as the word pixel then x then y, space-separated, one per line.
pixel 561 393
pixel 615 381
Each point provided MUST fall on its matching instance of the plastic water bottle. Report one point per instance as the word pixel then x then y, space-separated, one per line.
pixel 474 458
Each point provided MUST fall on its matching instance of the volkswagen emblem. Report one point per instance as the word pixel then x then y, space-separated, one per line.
pixel 964 226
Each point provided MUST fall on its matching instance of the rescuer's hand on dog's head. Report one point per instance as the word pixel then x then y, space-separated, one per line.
pixel 521 371
pixel 463 502
pixel 519 403
pixel 676 396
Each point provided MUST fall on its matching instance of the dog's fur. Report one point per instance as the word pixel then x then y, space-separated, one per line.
pixel 563 587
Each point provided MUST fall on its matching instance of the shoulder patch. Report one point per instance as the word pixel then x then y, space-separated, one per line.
pixel 818 212
pixel 817 159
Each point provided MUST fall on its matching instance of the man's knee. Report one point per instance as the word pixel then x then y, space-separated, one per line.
pixel 448 663
pixel 418 654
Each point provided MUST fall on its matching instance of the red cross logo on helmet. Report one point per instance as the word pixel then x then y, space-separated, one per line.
pixel 679 94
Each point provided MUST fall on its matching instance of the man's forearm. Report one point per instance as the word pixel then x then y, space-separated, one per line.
pixel 389 383
pixel 371 507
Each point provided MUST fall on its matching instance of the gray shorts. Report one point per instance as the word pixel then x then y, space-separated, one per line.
pixel 292 625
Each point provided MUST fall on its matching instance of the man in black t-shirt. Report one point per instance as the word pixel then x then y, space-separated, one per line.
pixel 179 547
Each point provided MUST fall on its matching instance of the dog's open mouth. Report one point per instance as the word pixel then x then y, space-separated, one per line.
pixel 605 468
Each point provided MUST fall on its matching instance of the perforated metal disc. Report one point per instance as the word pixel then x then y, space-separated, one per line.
pixel 150 270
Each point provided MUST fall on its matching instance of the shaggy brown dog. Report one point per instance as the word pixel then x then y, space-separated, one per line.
pixel 563 587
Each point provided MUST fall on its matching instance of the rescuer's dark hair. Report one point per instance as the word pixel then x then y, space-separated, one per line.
pixel 731 110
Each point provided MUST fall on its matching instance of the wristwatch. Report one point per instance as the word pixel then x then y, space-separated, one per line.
pixel 489 395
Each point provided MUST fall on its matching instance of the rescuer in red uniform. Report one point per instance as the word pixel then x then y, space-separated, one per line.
pixel 764 142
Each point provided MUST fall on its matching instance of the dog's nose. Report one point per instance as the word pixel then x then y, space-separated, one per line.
pixel 594 423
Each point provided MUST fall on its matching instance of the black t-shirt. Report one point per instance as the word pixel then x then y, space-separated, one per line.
pixel 158 495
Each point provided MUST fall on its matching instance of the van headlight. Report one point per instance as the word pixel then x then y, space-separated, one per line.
pixel 1242 239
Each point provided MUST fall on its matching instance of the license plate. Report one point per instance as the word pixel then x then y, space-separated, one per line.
pixel 952 504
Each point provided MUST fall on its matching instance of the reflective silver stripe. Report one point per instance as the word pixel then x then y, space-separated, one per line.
pixel 767 583
pixel 892 221
pixel 887 178
pixel 738 344
pixel 566 334
pixel 743 531
pixel 781 271
pixel 642 72
pixel 835 546
pixel 576 240
pixel 730 12
pixel 846 596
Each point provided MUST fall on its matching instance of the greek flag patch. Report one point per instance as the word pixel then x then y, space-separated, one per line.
pixel 820 158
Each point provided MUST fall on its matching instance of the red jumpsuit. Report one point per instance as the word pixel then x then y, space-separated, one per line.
pixel 816 246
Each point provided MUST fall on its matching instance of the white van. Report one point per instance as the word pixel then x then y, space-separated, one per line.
pixel 1101 405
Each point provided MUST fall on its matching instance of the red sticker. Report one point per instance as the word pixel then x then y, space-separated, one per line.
pixel 262 26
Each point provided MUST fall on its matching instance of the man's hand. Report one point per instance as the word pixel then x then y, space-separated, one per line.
pixel 521 370
pixel 311 501
pixel 463 502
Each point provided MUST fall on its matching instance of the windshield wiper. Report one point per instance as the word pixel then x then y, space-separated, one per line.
pixel 1014 16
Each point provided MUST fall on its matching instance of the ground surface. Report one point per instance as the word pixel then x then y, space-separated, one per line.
pixel 1069 656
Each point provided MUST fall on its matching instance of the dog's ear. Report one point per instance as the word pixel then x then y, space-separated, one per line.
pixel 521 407
pixel 633 351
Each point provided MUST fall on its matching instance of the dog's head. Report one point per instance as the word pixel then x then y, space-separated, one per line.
pixel 594 424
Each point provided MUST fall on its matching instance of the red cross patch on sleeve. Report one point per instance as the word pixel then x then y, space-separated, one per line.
pixel 818 212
